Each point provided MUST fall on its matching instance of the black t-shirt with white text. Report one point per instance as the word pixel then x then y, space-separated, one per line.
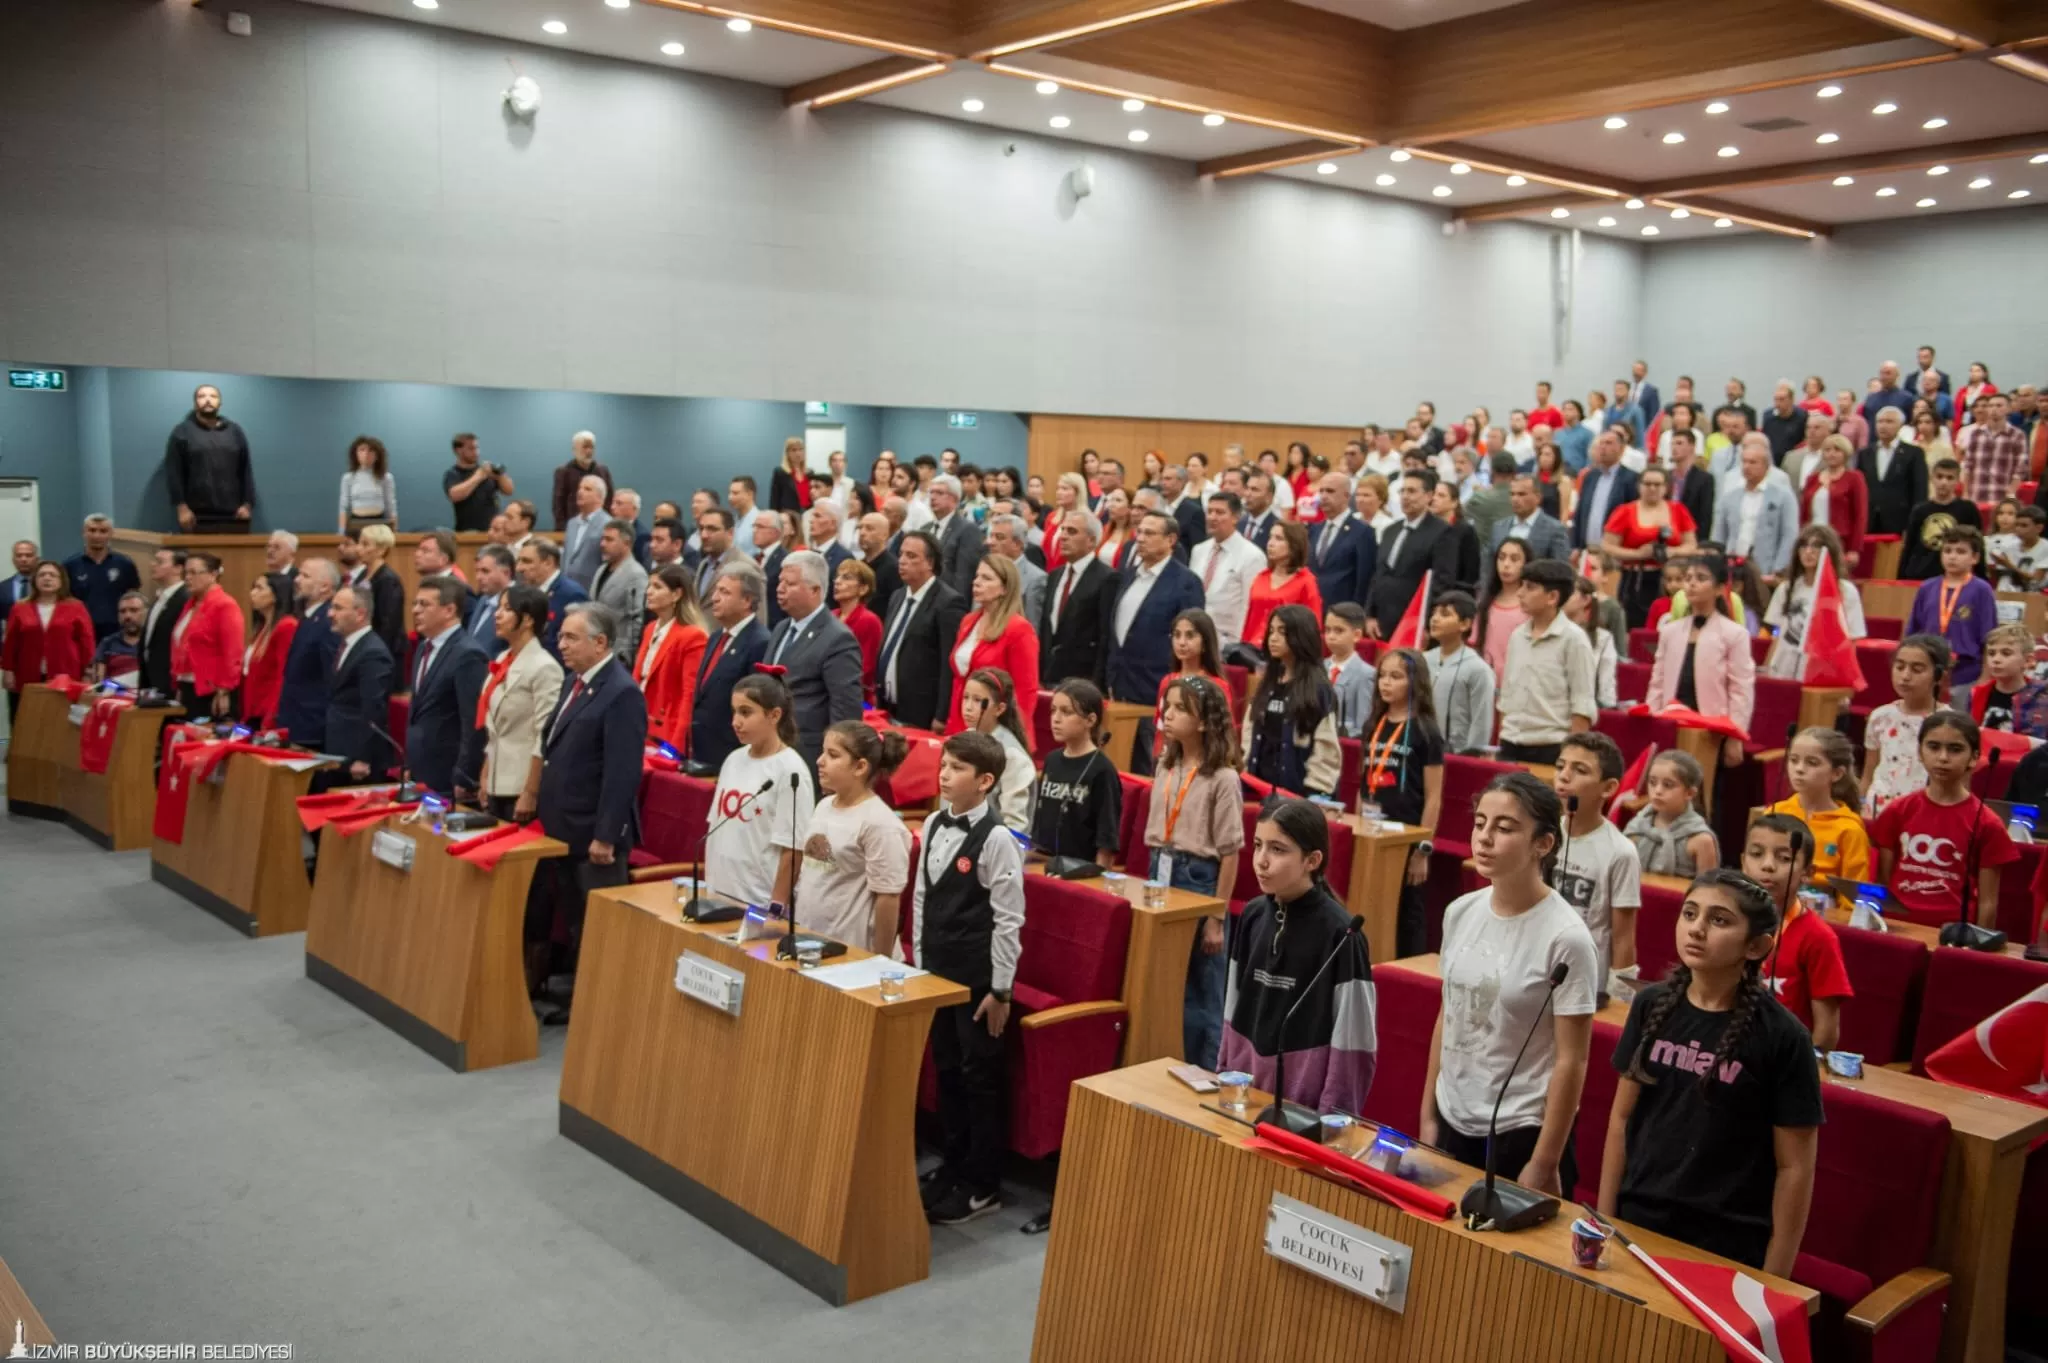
pixel 1396 757
pixel 1080 806
pixel 1702 1166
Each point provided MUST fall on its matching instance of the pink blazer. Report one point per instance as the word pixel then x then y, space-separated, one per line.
pixel 1723 668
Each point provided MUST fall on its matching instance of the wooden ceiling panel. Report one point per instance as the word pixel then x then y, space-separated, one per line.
pixel 1967 24
pixel 1002 28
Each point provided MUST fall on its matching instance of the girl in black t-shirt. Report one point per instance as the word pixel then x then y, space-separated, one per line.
pixel 1716 1117
pixel 1080 795
pixel 1290 723
pixel 1403 773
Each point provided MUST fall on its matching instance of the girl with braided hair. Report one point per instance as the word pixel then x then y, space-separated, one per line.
pixel 1717 1114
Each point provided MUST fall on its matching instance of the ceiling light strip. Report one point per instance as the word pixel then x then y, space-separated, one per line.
pixel 806 30
pixel 2031 67
pixel 1721 210
pixel 1073 82
pixel 859 89
pixel 1067 35
pixel 1550 175
pixel 1271 158
pixel 1917 25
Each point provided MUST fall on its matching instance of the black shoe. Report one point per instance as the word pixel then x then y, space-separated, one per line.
pixel 959 1206
pixel 1039 1224
pixel 934 1184
pixel 558 1018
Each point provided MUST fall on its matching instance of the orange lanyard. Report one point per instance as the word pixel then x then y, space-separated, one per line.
pixel 1376 779
pixel 1173 810
pixel 1949 597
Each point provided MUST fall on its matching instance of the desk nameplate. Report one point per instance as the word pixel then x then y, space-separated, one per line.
pixel 708 982
pixel 1338 1251
pixel 393 849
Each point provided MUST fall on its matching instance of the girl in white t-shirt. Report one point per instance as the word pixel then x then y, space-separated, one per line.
pixel 758 812
pixel 856 861
pixel 1502 948
pixel 988 704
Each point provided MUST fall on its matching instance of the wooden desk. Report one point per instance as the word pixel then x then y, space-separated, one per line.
pixel 1884 559
pixel 1156 966
pixel 1157 1251
pixel 788 1128
pixel 116 807
pixel 35 753
pixel 240 858
pixel 1121 719
pixel 1894 601
pixel 1379 868
pixel 1820 707
pixel 15 1306
pixel 432 953
pixel 1705 747
pixel 242 556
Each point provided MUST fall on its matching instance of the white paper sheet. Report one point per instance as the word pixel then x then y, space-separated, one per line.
pixel 862 974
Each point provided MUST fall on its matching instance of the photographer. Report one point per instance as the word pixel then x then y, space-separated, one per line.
pixel 473 486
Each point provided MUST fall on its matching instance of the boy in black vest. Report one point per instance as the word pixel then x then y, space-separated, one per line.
pixel 967 908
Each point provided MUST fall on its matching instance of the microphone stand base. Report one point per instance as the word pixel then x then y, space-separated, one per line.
pixel 786 949
pixel 1294 1119
pixel 1072 868
pixel 1506 1206
pixel 1972 937
pixel 713 911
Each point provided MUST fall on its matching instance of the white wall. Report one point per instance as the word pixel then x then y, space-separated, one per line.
pixel 1764 307
pixel 340 196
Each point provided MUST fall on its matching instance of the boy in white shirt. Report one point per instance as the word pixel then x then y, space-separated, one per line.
pixel 1598 871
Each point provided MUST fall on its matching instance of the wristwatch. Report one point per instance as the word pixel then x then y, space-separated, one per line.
pixel 1425 847
pixel 1001 996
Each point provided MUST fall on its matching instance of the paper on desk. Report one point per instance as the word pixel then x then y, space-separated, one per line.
pixel 862 974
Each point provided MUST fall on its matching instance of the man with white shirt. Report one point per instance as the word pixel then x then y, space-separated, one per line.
pixel 1520 442
pixel 359 691
pixel 447 677
pixel 1148 598
pixel 167 571
pixel 739 494
pixel 1342 549
pixel 1226 562
pixel 1383 458
pixel 580 552
pixel 819 656
pixel 1633 457
pixel 913 681
pixel 1605 485
pixel 1895 471
pixel 960 545
pixel 1540 532
pixel 1072 629
pixel 1006 536
pixel 1757 519
pixel 1260 512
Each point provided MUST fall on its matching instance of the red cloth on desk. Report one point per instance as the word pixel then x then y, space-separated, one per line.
pixel 96 737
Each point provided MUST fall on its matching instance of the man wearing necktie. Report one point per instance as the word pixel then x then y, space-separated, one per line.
pixel 819 656
pixel 447 676
pixel 736 643
pixel 18 587
pixel 912 678
pixel 494 567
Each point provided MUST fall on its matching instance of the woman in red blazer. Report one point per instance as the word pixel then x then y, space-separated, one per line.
pixel 995 634
pixel 36 649
pixel 1848 497
pixel 206 643
pixel 852 588
pixel 264 662
pixel 670 649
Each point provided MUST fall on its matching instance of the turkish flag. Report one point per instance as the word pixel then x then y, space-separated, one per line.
pixel 96 738
pixel 2006 1054
pixel 1830 654
pixel 1414 628
pixel 1685 717
pixel 1631 783
pixel 1752 1323
pixel 174 784
pixel 486 850
pixel 317 811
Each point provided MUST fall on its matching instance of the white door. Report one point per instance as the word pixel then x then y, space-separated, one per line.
pixel 20 515
pixel 820 442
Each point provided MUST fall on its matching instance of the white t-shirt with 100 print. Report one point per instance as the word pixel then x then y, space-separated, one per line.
pixel 740 859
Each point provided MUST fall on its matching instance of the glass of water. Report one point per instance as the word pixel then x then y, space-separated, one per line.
pixel 891 984
pixel 809 951
pixel 1155 894
pixel 1234 1088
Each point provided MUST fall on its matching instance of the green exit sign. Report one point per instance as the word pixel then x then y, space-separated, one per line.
pixel 962 421
pixel 45 380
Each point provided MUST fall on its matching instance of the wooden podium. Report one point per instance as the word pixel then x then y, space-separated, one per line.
pixel 1379 870
pixel 786 1127
pixel 116 807
pixel 1120 720
pixel 432 952
pixel 35 753
pixel 240 858
pixel 1158 1251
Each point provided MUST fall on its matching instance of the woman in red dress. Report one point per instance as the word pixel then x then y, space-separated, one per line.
pixel 670 649
pixel 206 643
pixel 1119 532
pixel 1641 534
pixel 48 634
pixel 996 634
pixel 263 660
pixel 1979 385
pixel 1286 582
pixel 853 586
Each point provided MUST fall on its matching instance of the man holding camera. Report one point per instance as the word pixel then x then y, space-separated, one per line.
pixel 473 486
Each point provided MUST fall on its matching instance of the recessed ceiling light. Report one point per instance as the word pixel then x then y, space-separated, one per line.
pixel 1825 138
pixel 1061 121
pixel 618 4
pixel 1615 124
pixel 426 4
pixel 1048 87
pixel 1137 134
pixel 1937 170
pixel 671 49
pixel 1460 168
pixel 1560 212
pixel 1607 222
pixel 1717 107
pixel 1981 182
pixel 1651 230
pixel 1841 180
pixel 1933 123
pixel 1724 222
pixel 1134 106
pixel 1517 181
pixel 2019 194
pixel 1327 168
pixel 554 26
pixel 1633 203
pixel 1672 139
pixel 740 25
pixel 2042 159
pixel 1924 203
pixel 1885 108
pixel 1213 120
pixel 972 106
pixel 1383 180
pixel 1398 156
pixel 1442 191
pixel 1729 151
pixel 1828 91
pixel 1681 214
pixel 1886 192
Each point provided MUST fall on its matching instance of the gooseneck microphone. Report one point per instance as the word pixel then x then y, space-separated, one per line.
pixel 1965 932
pixel 1294 1118
pixel 704 910
pixel 786 949
pixel 1506 1205
pixel 1564 851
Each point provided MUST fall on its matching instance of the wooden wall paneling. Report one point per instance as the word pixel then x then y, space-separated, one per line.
pixel 1056 441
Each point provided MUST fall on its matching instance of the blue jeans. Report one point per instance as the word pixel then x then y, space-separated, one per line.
pixel 1201 1026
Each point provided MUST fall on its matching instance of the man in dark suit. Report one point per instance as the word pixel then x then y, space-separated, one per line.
pixel 819 656
pixel 540 566
pixel 1894 471
pixel 1643 396
pixel 1606 484
pixel 495 566
pixel 913 679
pixel 302 696
pixel 770 550
pixel 1260 515
pixel 1416 544
pixel 823 521
pixel 1541 533
pixel 737 642
pixel 358 691
pixel 1138 619
pixel 1071 630
pixel 1186 511
pixel 447 676
pixel 280 569
pixel 881 560
pixel 19 585
pixel 167 571
pixel 589 783
pixel 1341 549
pixel 960 545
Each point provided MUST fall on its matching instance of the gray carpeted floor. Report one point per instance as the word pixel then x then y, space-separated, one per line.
pixel 199 1144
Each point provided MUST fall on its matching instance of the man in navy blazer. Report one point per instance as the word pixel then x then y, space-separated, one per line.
pixel 738 641
pixel 1606 484
pixel 495 567
pixel 302 694
pixel 540 565
pixel 1341 549
pixel 1643 396
pixel 1139 615
pixel 447 676
pixel 358 692
pixel 589 781
pixel 1260 515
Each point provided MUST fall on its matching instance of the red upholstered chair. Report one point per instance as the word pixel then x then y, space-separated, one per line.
pixel 1990 778
pixel 1657 932
pixel 1884 627
pixel 1776 711
pixel 1352 771
pixel 1596 1104
pixel 1338 872
pixel 674 812
pixel 1965 987
pixel 1137 808
pixel 397 717
pixel 1404 1012
pixel 1760 647
pixel 1240 679
pixel 1887 972
pixel 1642 645
pixel 1071 1014
pixel 1464 778
pixel 2019 908
pixel 2025 492
pixel 1872 1227
pixel 1636 732
pixel 1874 656
pixel 1631 682
pixel 1041 723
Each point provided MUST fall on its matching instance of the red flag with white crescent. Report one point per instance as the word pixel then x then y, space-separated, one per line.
pixel 2006 1054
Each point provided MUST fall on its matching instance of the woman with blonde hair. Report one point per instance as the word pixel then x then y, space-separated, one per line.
pixel 1069 495
pixel 789 490
pixel 995 634
pixel 1836 495
pixel 388 605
